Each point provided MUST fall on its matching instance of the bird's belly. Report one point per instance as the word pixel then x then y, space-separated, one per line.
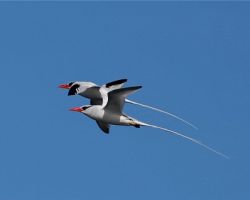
pixel 114 119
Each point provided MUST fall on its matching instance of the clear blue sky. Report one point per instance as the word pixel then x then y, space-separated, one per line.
pixel 193 59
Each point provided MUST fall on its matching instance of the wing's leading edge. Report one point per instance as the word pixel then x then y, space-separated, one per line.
pixel 116 98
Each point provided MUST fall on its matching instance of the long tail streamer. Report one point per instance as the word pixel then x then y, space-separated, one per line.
pixel 184 136
pixel 162 111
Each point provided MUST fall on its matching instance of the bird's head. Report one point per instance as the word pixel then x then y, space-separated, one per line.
pixel 77 87
pixel 81 109
pixel 66 85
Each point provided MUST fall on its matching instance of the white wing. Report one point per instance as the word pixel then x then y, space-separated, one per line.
pixel 115 99
pixel 109 87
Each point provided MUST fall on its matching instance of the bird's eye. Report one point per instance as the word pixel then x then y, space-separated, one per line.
pixel 71 83
pixel 85 107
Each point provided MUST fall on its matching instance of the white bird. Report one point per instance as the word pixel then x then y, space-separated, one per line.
pixel 92 91
pixel 110 113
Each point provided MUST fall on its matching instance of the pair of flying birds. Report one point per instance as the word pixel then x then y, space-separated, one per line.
pixel 107 102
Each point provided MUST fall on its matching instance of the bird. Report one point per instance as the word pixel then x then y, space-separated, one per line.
pixel 111 113
pixel 91 91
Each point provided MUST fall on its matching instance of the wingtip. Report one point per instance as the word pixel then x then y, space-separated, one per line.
pixel 106 132
pixel 117 82
pixel 124 80
pixel 134 87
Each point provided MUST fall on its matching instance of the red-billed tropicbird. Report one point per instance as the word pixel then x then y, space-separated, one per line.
pixel 110 113
pixel 92 91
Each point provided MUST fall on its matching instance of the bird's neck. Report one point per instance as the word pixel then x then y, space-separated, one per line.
pixel 95 112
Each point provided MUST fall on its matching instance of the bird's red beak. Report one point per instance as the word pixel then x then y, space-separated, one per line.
pixel 76 109
pixel 64 86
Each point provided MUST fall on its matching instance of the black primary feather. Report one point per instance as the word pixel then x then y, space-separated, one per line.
pixel 116 82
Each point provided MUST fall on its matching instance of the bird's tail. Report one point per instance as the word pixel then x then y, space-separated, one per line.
pixel 183 136
pixel 162 111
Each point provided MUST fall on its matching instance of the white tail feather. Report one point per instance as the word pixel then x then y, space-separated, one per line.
pixel 183 136
pixel 162 111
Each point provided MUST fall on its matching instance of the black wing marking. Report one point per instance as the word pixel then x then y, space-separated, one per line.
pixel 103 126
pixel 118 82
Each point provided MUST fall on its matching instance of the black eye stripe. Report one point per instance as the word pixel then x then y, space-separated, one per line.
pixel 85 107
pixel 73 90
pixel 71 83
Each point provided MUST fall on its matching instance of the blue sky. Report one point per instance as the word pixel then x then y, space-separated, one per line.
pixel 191 58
